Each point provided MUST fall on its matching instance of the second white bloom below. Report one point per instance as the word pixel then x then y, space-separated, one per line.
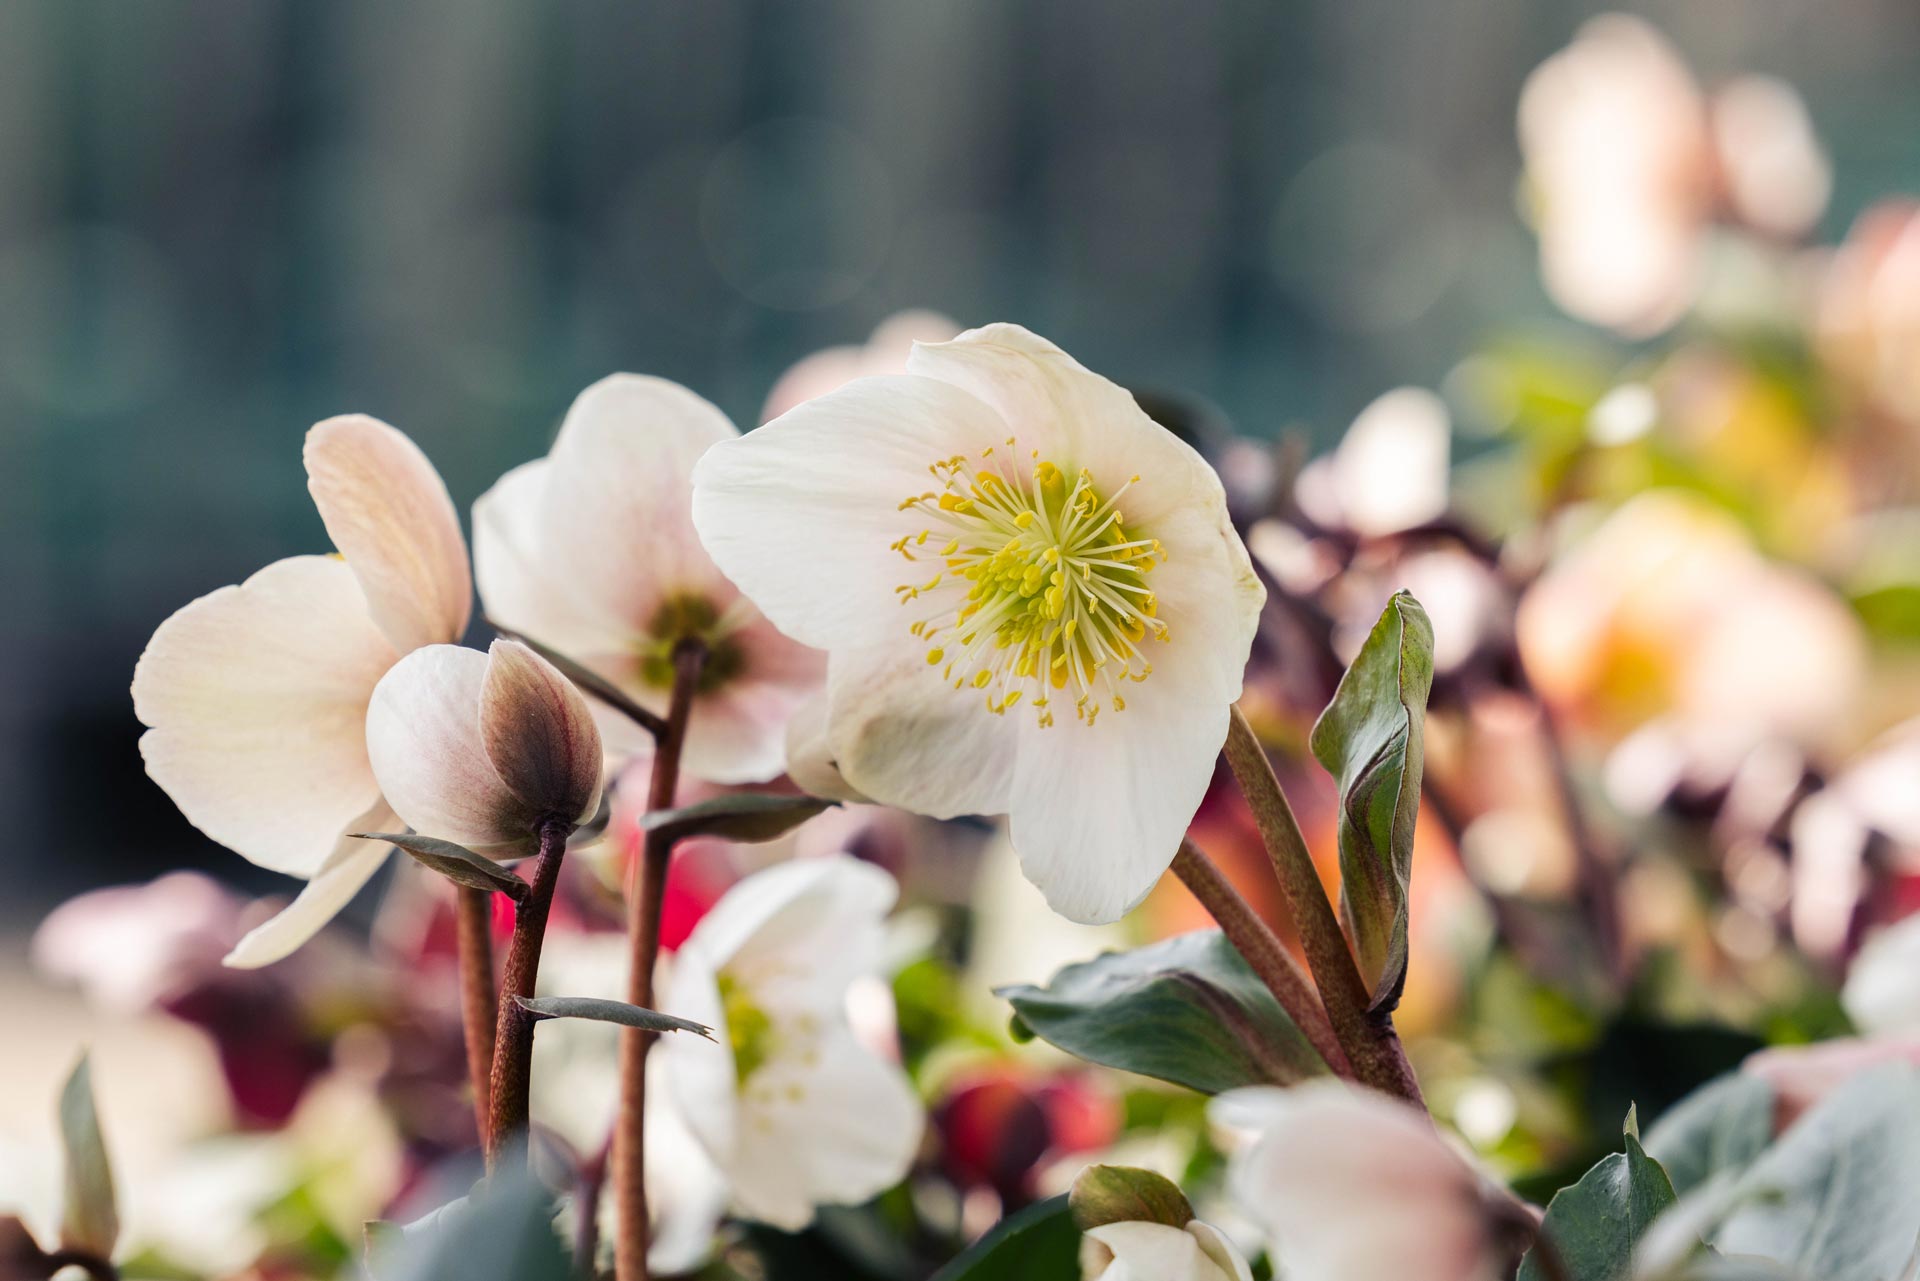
pixel 794 1110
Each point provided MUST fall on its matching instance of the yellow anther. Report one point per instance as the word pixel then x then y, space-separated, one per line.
pixel 934 656
pixel 981 677
pixel 1024 520
pixel 953 545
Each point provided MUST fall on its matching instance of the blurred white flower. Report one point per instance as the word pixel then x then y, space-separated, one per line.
pixel 590 551
pixel 1629 161
pixel 255 696
pixel 482 749
pixel 127 945
pixel 1354 1186
pixel 576 1089
pixel 1390 471
pixel 832 368
pixel 1060 549
pixel 1882 991
pixel 1138 1251
pixel 788 1103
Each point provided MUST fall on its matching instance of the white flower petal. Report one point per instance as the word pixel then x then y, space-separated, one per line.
pixel 317 903
pixel 801 513
pixel 423 736
pixel 700 1073
pixel 1215 1245
pixel 616 517
pixel 1882 993
pixel 1156 1252
pixel 1075 418
pixel 810 760
pixel 1098 811
pixel 521 587
pixel 835 1131
pixel 826 910
pixel 256 700
pixel 906 738
pixel 538 734
pixel 388 512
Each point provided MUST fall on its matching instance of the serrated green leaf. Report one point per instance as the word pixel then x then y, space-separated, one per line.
pixel 1370 739
pixel 91 1218
pixel 1104 1194
pixel 737 816
pixel 1596 1225
pixel 1038 1244
pixel 1723 1125
pixel 597 1010
pixel 1186 1010
pixel 455 862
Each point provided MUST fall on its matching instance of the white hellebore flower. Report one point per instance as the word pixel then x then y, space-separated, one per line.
pixel 1354 1186
pixel 1000 531
pixel 484 749
pixel 591 551
pixel 256 695
pixel 1140 1251
pixel 788 1103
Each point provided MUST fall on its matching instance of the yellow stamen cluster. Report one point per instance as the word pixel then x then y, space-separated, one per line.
pixel 1041 589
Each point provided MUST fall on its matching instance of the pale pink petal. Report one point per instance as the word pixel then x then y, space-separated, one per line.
pixel 388 512
pixel 256 699
pixel 423 735
pixel 319 901
pixel 522 587
pixel 615 525
pixel 738 731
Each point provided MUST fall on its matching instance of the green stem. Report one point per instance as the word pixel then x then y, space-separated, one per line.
pixel 1368 1036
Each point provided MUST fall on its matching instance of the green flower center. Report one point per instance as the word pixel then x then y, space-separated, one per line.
pixel 749 1029
pixel 1042 587
pixel 681 617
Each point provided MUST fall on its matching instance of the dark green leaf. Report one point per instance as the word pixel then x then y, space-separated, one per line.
pixel 1723 1125
pixel 1104 1194
pixel 1186 1010
pixel 1597 1223
pixel 455 862
pixel 1370 740
pixel 504 1231
pixel 590 682
pixel 1038 1244
pixel 601 1011
pixel 91 1221
pixel 738 816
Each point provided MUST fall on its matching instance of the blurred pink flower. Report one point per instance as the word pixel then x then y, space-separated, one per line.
pixel 1629 162
pixel 1869 315
pixel 831 368
pixel 1353 1186
pixel 129 947
pixel 1802 1075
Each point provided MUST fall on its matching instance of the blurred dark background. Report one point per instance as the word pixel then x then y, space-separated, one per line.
pixel 222 221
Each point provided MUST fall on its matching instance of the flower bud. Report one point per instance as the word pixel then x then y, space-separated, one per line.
pixel 481 749
pixel 1140 1251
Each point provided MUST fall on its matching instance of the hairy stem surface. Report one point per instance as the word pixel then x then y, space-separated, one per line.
pixel 513 1036
pixel 644 902
pixel 1368 1037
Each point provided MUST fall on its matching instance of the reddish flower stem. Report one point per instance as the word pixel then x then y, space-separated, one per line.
pixel 1262 950
pixel 1367 1035
pixel 473 932
pixel 513 1037
pixel 645 901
